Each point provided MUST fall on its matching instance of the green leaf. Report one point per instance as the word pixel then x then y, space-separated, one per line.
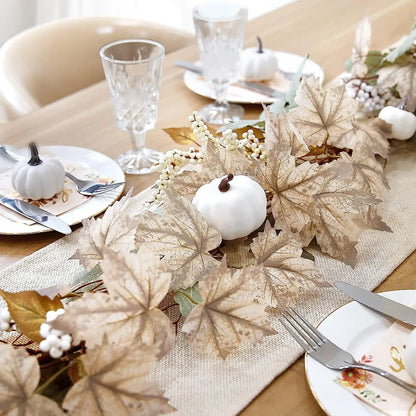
pixel 88 276
pixel 348 65
pixel 188 299
pixel 402 48
pixel 374 62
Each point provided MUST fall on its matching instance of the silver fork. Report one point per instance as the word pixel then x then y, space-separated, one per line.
pixel 84 187
pixel 326 352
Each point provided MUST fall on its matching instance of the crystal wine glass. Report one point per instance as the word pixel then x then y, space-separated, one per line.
pixel 133 69
pixel 219 29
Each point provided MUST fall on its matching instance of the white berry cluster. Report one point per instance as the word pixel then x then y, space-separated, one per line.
pixel 367 95
pixel 5 319
pixel 251 146
pixel 55 342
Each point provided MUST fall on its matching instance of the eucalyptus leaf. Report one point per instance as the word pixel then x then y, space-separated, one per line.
pixel 188 299
pixel 86 277
pixel 348 65
pixel 239 125
pixel 375 61
pixel 404 46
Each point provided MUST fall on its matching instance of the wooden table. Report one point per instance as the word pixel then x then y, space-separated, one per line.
pixel 324 29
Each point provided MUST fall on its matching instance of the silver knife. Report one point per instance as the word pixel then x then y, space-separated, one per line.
pixel 262 89
pixel 379 303
pixel 36 214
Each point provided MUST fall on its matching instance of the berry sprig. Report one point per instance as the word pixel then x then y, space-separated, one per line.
pixel 55 342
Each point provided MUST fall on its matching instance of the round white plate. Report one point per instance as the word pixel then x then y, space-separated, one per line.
pixel 355 328
pixel 99 163
pixel 288 62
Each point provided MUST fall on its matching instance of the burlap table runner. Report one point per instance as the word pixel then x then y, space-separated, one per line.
pixel 203 385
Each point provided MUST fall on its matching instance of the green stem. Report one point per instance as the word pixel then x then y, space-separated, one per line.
pixel 50 380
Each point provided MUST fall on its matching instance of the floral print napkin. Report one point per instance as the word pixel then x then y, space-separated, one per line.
pixel 380 393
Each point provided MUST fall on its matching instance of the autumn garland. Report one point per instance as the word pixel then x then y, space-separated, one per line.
pixel 322 171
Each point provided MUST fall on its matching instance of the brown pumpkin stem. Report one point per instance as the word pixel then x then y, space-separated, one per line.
pixel 260 48
pixel 224 185
pixel 403 104
pixel 34 160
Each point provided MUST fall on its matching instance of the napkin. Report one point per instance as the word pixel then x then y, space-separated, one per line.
pixel 385 396
pixel 64 201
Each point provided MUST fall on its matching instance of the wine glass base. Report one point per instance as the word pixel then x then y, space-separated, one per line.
pixel 221 114
pixel 138 162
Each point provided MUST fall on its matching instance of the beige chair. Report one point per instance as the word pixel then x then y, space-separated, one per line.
pixel 50 61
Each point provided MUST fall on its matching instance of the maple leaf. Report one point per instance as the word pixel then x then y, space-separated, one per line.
pixel 228 315
pixel 182 236
pixel 287 273
pixel 136 283
pixel 373 132
pixel 403 77
pixel 19 377
pixel 115 384
pixel 217 162
pixel 115 230
pixel 322 113
pixel 361 48
pixel 282 136
pixel 28 310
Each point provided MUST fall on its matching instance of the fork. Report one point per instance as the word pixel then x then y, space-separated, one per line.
pixel 327 353
pixel 84 187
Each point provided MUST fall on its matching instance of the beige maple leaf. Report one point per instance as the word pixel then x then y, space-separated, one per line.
pixel 114 384
pixel 115 230
pixel 371 132
pixel 136 283
pixel 228 315
pixel 322 113
pixel 287 273
pixel 403 77
pixel 361 48
pixel 19 377
pixel 182 236
pixel 281 135
pixel 217 162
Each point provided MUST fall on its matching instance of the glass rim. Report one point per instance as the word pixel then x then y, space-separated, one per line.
pixel 122 41
pixel 243 12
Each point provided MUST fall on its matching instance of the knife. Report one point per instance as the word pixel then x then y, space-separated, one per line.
pixel 36 214
pixel 262 89
pixel 379 303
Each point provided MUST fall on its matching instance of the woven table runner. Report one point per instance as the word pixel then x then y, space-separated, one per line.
pixel 205 385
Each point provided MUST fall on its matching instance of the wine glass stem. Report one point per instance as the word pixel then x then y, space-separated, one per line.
pixel 137 140
pixel 221 94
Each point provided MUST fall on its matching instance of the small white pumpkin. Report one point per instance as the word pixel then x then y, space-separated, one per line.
pixel 38 179
pixel 409 355
pixel 234 205
pixel 258 64
pixel 403 123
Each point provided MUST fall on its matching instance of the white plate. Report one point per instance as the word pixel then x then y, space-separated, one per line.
pixel 354 328
pixel 98 162
pixel 288 62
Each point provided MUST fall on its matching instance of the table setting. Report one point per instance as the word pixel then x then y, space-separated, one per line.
pixel 183 297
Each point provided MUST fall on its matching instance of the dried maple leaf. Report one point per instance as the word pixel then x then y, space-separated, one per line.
pixel 361 48
pixel 322 113
pixel 373 132
pixel 403 77
pixel 287 273
pixel 115 230
pixel 114 384
pixel 28 310
pixel 19 377
pixel 182 135
pixel 182 236
pixel 136 283
pixel 216 163
pixel 282 136
pixel 228 316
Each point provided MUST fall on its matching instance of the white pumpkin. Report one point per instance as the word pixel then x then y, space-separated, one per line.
pixel 258 64
pixel 409 355
pixel 233 205
pixel 403 123
pixel 38 179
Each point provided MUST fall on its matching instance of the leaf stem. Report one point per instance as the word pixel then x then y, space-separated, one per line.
pixel 50 380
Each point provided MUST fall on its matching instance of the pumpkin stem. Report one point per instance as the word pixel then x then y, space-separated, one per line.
pixel 34 160
pixel 224 185
pixel 260 48
pixel 403 104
